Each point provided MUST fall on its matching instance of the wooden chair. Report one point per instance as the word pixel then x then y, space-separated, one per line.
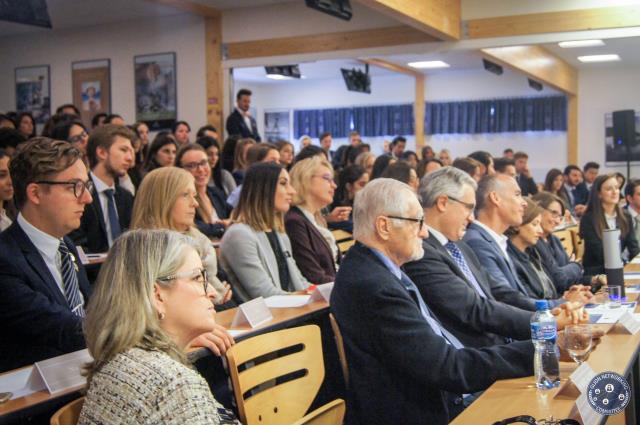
pixel 276 376
pixel 566 240
pixel 340 346
pixel 344 246
pixel 68 414
pixel 330 414
pixel 341 235
pixel 578 244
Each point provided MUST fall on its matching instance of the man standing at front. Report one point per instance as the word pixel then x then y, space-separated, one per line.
pixel 240 122
pixel 404 367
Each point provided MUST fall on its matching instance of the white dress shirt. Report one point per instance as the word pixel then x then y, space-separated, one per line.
pixel 245 117
pixel 501 240
pixel 5 221
pixel 439 236
pixel 104 203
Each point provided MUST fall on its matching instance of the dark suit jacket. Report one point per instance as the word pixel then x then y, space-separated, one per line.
pixel 581 194
pixel 524 265
pixel 474 320
pixel 593 259
pixel 505 285
pixel 399 368
pixel 37 322
pixel 219 202
pixel 92 233
pixel 527 185
pixel 563 272
pixel 237 127
pixel 310 248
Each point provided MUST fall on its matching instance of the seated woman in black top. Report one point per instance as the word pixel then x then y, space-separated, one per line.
pixel 604 212
pixel 212 213
pixel 351 180
pixel 162 152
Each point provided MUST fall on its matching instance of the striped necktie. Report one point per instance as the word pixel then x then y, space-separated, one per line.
pixel 458 258
pixel 70 280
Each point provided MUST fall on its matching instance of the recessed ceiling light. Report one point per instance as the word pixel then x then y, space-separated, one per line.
pixel 428 64
pixel 580 43
pixel 278 77
pixel 599 58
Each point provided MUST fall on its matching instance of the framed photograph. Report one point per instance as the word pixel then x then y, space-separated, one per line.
pixel 155 88
pixel 91 82
pixel 277 125
pixel 616 153
pixel 33 91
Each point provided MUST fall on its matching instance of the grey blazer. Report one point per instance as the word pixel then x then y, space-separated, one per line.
pixel 247 257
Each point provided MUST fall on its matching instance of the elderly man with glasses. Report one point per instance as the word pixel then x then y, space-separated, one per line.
pixel 404 366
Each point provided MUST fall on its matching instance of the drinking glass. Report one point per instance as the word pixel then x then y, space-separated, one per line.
pixel 578 339
pixel 614 297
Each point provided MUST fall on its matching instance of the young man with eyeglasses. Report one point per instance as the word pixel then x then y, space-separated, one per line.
pixel 110 153
pixel 43 285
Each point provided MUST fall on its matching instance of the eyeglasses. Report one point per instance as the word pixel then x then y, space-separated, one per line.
pixel 554 214
pixel 194 275
pixel 526 419
pixel 79 186
pixel 326 177
pixel 467 205
pixel 420 220
pixel 193 165
pixel 77 138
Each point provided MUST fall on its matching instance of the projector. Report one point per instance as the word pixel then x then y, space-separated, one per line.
pixel 338 8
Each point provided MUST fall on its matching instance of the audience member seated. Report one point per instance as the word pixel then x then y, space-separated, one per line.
pixel 228 153
pixel 632 196
pixel 142 131
pixel 486 162
pixel 261 152
pixel 74 132
pixel 240 122
pixel 314 247
pixel 403 172
pixel 255 250
pixel 207 131
pixel 162 152
pixel 26 125
pixel 554 184
pixel 604 212
pixel 469 166
pixel 10 139
pixel 523 174
pixel 212 213
pixel 350 181
pixel 180 131
pixel 339 157
pixel 589 174
pixel 425 166
pixel 577 198
pixel 308 152
pixel 166 199
pixel 380 164
pixel 286 153
pixel 43 285
pixel 411 158
pixel 366 161
pixel 152 302
pixel 326 139
pixel 220 178
pixel 450 277
pixel 404 367
pixel 115 119
pixel 98 120
pixel 507 166
pixel 7 210
pixel 427 153
pixel 304 141
pixel 240 159
pixel 396 148
pixel 7 122
pixel 68 109
pixel 110 155
pixel 445 157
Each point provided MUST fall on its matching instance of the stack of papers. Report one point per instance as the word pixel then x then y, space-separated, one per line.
pixel 600 313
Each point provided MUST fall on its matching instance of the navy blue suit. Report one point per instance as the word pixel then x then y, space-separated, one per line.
pixel 581 194
pixel 505 285
pixel 400 370
pixel 37 322
pixel 237 127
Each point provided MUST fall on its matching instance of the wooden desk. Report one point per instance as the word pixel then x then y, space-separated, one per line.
pixel 617 352
pixel 41 405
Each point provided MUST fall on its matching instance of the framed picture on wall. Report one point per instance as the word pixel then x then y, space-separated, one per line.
pixel 91 85
pixel 277 125
pixel 33 91
pixel 155 88
pixel 615 151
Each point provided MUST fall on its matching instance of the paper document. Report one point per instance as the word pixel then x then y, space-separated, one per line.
pixel 287 301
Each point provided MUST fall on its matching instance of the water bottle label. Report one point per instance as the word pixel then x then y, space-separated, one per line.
pixel 543 331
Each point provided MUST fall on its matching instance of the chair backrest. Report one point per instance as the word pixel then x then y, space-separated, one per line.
pixel 273 385
pixel 340 346
pixel 341 235
pixel 330 414
pixel 344 246
pixel 566 240
pixel 578 244
pixel 68 414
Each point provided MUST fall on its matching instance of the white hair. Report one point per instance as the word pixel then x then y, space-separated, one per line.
pixel 381 196
pixel 447 181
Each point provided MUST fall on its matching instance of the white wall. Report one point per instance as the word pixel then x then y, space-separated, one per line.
pixel 183 34
pixel 449 86
pixel 601 91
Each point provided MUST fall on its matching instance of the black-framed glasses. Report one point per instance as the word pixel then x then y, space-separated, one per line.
pixel 193 165
pixel 197 275
pixel 78 137
pixel 526 419
pixel 467 205
pixel 554 214
pixel 79 186
pixel 420 220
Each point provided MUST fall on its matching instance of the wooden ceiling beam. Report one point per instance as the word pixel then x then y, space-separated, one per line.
pixel 190 7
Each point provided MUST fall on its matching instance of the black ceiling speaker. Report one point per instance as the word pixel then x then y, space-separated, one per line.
pixel 338 8
pixel 28 12
pixel 535 85
pixel 356 80
pixel 494 68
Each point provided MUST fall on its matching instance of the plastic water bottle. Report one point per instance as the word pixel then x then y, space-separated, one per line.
pixel 544 332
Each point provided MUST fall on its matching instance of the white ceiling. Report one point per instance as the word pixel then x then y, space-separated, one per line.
pixel 627 48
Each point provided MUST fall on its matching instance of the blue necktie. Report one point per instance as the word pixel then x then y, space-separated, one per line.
pixel 458 258
pixel 114 224
pixel 70 281
pixel 426 313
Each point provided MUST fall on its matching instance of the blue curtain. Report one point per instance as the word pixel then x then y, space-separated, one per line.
pixel 497 116
pixel 387 120
pixel 314 122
